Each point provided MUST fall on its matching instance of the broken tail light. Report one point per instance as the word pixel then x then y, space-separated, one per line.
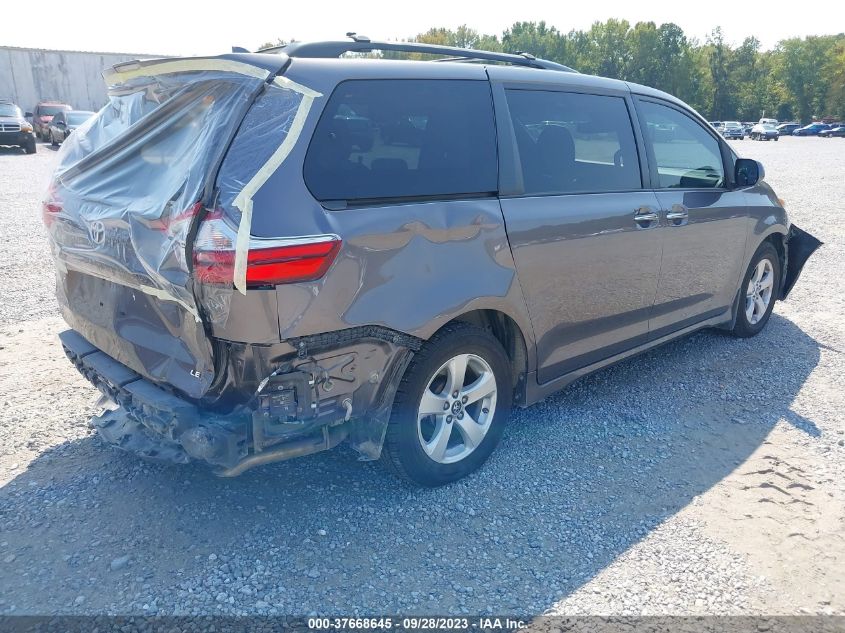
pixel 51 206
pixel 269 262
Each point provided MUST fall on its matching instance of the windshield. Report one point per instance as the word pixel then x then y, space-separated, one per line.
pixel 768 126
pixel 7 109
pixel 52 109
pixel 78 118
pixel 732 124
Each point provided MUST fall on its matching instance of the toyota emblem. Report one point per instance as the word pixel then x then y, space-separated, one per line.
pixel 97 230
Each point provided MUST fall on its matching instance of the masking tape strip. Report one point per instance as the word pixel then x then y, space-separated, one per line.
pixel 244 199
pixel 284 82
pixel 164 296
pixel 190 65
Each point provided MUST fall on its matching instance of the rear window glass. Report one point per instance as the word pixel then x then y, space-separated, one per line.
pixel 404 138
pixel 573 142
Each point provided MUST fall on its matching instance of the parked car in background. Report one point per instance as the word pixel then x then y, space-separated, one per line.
pixel 786 129
pixel 838 130
pixel 42 115
pixel 716 124
pixel 812 129
pixel 764 132
pixel 66 122
pixel 732 130
pixel 290 332
pixel 746 127
pixel 15 130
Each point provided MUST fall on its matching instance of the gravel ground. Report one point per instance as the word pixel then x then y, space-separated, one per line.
pixel 705 477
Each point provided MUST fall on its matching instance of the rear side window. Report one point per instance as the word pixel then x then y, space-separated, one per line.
pixel 687 156
pixel 404 138
pixel 574 142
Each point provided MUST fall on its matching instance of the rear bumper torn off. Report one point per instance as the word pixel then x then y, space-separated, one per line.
pixel 332 387
pixel 152 422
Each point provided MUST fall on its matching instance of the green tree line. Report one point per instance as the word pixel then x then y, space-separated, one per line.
pixel 800 79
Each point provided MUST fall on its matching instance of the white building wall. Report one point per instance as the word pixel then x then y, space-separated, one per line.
pixel 30 75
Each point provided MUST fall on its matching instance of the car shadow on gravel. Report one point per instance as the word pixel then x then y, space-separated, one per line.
pixel 578 480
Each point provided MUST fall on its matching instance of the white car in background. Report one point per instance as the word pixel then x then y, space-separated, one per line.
pixel 765 131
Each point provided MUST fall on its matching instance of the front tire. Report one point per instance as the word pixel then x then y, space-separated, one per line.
pixel 53 140
pixel 451 407
pixel 30 147
pixel 757 294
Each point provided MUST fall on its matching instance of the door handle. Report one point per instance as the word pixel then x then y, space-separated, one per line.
pixel 646 217
pixel 677 215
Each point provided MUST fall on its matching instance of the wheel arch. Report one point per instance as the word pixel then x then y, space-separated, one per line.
pixel 776 236
pixel 777 240
pixel 510 335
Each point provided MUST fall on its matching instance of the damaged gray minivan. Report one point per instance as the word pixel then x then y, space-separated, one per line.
pixel 263 255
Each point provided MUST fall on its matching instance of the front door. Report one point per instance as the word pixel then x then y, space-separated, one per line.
pixel 585 234
pixel 705 221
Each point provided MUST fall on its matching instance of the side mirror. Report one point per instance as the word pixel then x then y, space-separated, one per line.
pixel 748 172
pixel 27 115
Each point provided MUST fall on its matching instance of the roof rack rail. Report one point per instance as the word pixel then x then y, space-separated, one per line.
pixel 361 45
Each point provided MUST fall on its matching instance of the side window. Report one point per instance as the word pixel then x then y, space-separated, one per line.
pixel 687 156
pixel 573 142
pixel 404 138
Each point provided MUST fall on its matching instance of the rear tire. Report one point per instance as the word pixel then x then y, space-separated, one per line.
pixel 434 438
pixel 758 292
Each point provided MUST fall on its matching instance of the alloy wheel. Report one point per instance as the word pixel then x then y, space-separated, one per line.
pixel 457 408
pixel 758 294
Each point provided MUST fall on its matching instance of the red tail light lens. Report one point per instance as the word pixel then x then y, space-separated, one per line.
pixel 290 264
pixel 269 262
pixel 50 206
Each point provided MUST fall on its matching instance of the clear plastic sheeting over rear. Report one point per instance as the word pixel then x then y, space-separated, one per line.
pixel 124 201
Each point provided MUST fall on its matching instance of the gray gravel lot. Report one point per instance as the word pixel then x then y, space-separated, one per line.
pixel 705 477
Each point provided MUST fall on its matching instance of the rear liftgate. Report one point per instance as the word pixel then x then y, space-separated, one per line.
pixel 122 208
pixel 149 253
